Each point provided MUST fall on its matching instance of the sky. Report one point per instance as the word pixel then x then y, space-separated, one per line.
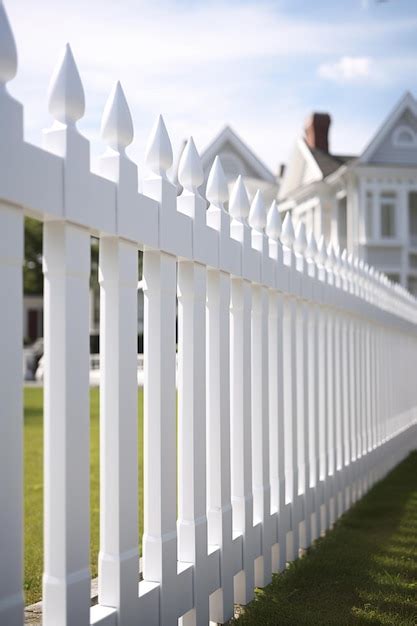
pixel 259 65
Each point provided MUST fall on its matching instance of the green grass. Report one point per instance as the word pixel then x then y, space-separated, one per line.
pixel 363 572
pixel 33 454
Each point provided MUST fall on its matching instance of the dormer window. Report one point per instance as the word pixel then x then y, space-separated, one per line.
pixel 404 137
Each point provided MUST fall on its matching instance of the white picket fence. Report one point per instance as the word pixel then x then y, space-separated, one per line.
pixel 296 381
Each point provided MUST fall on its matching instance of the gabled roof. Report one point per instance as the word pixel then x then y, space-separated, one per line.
pixel 309 165
pixel 329 163
pixel 406 102
pixel 302 169
pixel 228 136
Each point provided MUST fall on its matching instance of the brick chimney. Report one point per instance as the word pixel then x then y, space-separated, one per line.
pixel 317 131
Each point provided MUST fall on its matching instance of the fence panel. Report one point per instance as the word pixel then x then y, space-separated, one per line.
pixel 295 374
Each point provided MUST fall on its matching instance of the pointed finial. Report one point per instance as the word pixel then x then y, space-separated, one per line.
pixel 350 259
pixel 344 261
pixel 331 257
pixel 311 250
pixel 321 251
pixel 273 222
pixel 158 155
pixel 66 93
pixel 217 192
pixel 300 243
pixel 239 201
pixel 190 172
pixel 337 259
pixel 287 232
pixel 116 124
pixel 257 212
pixel 8 54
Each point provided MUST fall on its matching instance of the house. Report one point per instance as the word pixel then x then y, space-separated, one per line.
pixel 365 203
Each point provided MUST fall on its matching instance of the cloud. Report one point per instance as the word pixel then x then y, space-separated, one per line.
pixel 347 69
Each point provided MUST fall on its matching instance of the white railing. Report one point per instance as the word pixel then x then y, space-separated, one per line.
pixel 296 387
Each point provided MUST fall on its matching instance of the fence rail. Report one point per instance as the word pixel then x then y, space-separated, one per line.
pixel 295 382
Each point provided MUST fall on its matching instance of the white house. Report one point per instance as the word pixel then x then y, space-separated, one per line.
pixel 366 203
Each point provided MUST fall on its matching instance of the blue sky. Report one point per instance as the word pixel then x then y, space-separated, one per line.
pixel 261 66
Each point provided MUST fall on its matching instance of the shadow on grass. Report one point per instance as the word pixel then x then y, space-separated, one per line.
pixel 363 572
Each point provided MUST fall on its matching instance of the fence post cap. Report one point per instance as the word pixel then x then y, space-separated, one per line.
pixel 66 93
pixel 239 201
pixel 321 251
pixel 287 232
pixel 273 222
pixel 116 125
pixel 257 212
pixel 217 192
pixel 158 154
pixel 311 249
pixel 190 171
pixel 300 242
pixel 331 257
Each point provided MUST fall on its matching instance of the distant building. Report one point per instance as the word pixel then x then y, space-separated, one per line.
pixel 366 203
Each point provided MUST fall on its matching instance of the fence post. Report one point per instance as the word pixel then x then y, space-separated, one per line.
pixel 290 391
pixel 192 293
pixel 118 277
pixel 313 350
pixel 303 384
pixel 160 422
pixel 322 391
pixel 260 396
pixel 220 523
pixel 11 416
pixel 331 388
pixel 276 426
pixel 11 341
pixel 66 581
pixel 240 380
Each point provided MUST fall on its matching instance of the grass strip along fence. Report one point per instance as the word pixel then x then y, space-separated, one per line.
pixel 363 572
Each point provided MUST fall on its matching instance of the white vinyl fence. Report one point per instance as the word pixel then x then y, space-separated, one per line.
pixel 296 378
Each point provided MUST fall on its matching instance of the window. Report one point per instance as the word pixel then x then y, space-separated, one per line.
pixel 404 137
pixel 387 206
pixel 412 217
pixel 342 221
pixel 369 217
pixel 412 285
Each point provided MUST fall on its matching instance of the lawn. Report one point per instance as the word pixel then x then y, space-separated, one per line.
pixel 363 572
pixel 33 451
